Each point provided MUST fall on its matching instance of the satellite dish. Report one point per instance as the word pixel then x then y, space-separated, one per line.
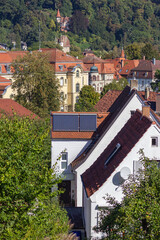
pixel 125 172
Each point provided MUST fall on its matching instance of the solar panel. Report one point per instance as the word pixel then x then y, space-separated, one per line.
pixel 65 122
pixel 88 122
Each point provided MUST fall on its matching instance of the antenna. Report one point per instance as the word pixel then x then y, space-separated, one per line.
pixel 39 37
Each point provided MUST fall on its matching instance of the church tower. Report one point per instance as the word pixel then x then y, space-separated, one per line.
pixel 58 17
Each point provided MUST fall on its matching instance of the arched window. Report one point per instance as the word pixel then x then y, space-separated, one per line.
pixel 94 86
pixel 77 87
pixel 61 81
pixel 77 73
pixel 94 78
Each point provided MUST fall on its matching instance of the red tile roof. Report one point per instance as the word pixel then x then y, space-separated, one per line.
pixel 116 107
pixel 58 14
pixel 107 100
pixel 130 134
pixel 78 135
pixel 9 106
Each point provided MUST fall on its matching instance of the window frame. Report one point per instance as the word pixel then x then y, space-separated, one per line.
pixel 156 141
pixel 77 87
pixel 64 160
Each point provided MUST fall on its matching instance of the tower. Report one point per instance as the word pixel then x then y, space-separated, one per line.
pixel 58 17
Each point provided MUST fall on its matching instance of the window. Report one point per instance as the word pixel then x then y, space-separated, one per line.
pixel 146 74
pixel 0 69
pixel 82 80
pixel 142 83
pixel 62 96
pixel 61 67
pixel 94 78
pixel 154 141
pixel 77 73
pixel 61 81
pixel 77 87
pixel 66 81
pixel 64 159
pixel 132 113
pixel 77 99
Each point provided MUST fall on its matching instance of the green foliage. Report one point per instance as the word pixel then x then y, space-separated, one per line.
pixel 156 85
pixel 115 85
pixel 76 52
pixel 114 23
pixel 28 207
pixel 137 216
pixel 87 99
pixel 35 83
pixel 133 51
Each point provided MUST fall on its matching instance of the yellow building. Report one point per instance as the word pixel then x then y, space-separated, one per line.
pixel 72 75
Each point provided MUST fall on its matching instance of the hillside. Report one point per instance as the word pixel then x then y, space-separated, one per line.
pixel 95 24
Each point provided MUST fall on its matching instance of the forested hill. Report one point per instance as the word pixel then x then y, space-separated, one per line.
pixel 95 24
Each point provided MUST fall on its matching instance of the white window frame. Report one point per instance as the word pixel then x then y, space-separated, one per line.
pixel 61 81
pixel 156 141
pixel 65 160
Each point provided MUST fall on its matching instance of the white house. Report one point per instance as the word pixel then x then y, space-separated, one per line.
pixel 81 147
pixel 115 163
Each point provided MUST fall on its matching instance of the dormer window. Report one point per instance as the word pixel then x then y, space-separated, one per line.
pixel 146 74
pixel 61 67
pixel 77 73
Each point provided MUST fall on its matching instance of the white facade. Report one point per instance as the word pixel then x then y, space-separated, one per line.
pixel 113 186
pixel 104 140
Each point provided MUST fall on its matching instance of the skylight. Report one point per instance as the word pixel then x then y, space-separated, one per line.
pixel 112 154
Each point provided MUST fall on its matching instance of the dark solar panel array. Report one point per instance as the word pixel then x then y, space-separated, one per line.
pixel 74 122
pixel 88 122
pixel 64 122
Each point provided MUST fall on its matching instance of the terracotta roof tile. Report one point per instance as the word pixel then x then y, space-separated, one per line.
pixel 114 111
pixel 130 134
pixel 9 106
pixel 107 100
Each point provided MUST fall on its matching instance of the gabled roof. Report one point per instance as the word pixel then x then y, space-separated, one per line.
pixel 94 177
pixel 107 100
pixel 115 109
pixel 9 107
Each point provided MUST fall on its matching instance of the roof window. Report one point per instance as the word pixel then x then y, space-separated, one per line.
pixel 60 67
pixel 112 154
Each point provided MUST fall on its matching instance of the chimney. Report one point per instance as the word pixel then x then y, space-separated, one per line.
pixel 158 102
pixel 122 63
pixel 154 61
pixel 134 84
pixel 147 90
pixel 146 111
pixel 144 58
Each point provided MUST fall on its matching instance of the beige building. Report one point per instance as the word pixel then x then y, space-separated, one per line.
pixel 72 75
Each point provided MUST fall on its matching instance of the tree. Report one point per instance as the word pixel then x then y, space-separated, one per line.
pixel 35 83
pixel 87 99
pixel 115 85
pixel 137 216
pixel 133 51
pixel 156 85
pixel 149 52
pixel 79 23
pixel 28 207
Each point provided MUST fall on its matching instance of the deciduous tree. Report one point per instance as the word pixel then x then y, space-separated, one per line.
pixel 114 85
pixel 137 215
pixel 28 207
pixel 35 83
pixel 87 99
